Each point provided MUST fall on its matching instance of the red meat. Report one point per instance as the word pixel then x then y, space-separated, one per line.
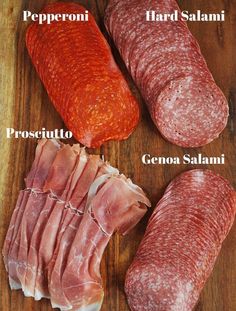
pixel 77 68
pixel 181 243
pixel 166 63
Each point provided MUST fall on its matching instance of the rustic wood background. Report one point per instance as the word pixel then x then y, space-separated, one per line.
pixel 25 106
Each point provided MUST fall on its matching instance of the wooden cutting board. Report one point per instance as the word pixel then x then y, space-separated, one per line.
pixel 25 106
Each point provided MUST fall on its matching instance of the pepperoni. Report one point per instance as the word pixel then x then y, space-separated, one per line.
pixel 181 243
pixel 81 77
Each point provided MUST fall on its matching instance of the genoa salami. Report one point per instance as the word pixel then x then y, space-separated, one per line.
pixel 181 243
pixel 77 68
pixel 167 65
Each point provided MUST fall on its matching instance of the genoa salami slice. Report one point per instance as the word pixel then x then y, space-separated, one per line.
pixel 159 53
pixel 181 243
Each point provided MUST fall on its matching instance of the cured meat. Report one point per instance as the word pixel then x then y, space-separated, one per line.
pixel 77 68
pixel 19 228
pixel 166 63
pixel 63 220
pixel 57 266
pixel 119 213
pixel 181 243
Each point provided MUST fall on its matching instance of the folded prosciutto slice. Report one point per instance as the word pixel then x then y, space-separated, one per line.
pixel 72 204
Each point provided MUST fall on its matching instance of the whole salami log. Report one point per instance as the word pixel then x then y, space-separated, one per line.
pixel 182 241
pixel 166 63
pixel 77 68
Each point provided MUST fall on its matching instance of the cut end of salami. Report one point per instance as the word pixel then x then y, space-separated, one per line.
pixel 155 294
pixel 190 113
pixel 181 243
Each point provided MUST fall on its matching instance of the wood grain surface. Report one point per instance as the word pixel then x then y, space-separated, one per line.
pixel 25 106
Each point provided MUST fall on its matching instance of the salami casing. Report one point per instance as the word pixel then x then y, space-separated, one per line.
pixel 181 243
pixel 77 68
pixel 166 63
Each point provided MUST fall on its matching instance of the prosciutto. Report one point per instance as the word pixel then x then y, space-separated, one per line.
pixel 72 204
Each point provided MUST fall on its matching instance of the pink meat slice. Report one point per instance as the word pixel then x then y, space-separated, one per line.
pixel 80 166
pixel 58 221
pixel 94 180
pixel 181 243
pixel 33 209
pixel 81 162
pixel 57 266
pixel 30 217
pixel 78 170
pixel 87 177
pixel 46 249
pixel 17 251
pixel 81 280
pixel 36 277
pixel 88 170
pixel 72 220
pixel 12 230
pixel 60 171
pixel 32 259
pixel 107 212
pixel 58 178
pixel 10 258
pixel 45 153
pixel 113 211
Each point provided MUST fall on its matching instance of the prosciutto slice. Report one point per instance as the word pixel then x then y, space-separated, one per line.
pixel 29 204
pixel 72 204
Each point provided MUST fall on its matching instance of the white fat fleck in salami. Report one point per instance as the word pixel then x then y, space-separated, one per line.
pixel 161 56
pixel 181 243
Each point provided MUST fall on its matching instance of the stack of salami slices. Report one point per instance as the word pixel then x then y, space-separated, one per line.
pixel 166 63
pixel 181 243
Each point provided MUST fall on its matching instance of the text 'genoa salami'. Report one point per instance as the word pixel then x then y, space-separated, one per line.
pixel 77 68
pixel 166 63
pixel 181 243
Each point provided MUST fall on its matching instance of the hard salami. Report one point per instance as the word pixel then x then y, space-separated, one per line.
pixel 166 63
pixel 182 241
pixel 77 68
